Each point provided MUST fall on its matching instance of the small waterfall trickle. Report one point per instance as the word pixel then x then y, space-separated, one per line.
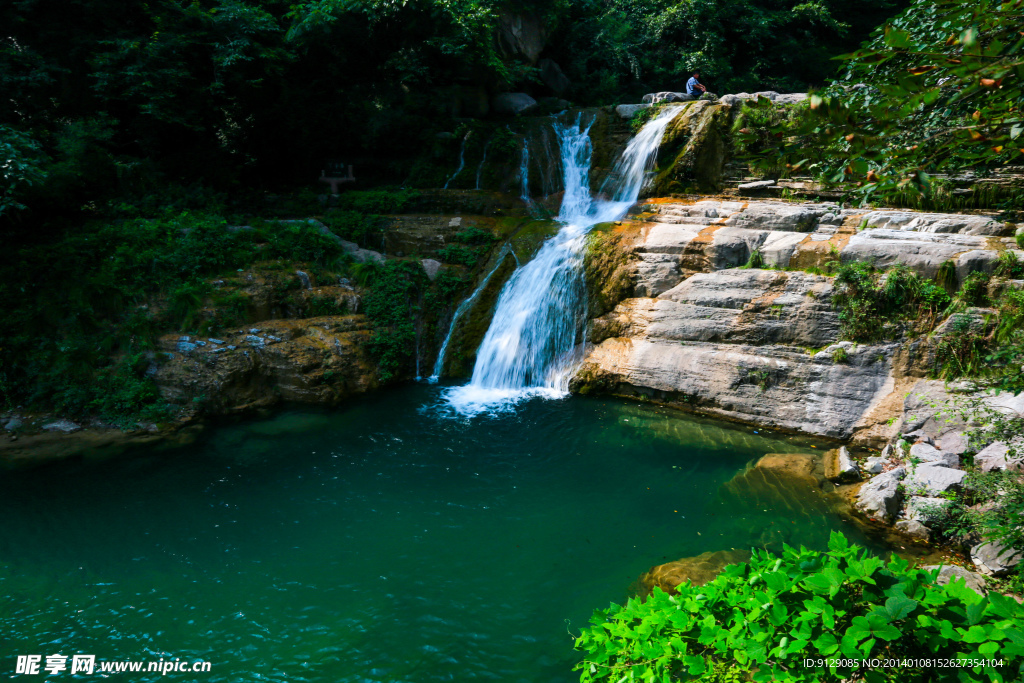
pixel 480 168
pixel 535 341
pixel 462 160
pixel 465 306
pixel 524 173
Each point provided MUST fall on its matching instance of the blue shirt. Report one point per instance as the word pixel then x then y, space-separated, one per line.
pixel 691 85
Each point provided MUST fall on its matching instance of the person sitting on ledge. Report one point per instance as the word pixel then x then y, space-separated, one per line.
pixel 693 86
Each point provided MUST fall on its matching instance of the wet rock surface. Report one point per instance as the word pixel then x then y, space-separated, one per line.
pixel 697 570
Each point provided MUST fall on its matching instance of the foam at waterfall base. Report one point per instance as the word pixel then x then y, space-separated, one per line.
pixel 470 400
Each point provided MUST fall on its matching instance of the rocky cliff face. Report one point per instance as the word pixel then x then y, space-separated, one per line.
pixel 695 329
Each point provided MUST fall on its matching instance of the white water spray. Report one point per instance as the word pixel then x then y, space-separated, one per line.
pixel 535 342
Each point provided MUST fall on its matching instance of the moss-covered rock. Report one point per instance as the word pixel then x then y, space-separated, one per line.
pixel 608 266
pixel 693 151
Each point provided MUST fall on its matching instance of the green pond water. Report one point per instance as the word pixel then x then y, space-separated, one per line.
pixel 382 541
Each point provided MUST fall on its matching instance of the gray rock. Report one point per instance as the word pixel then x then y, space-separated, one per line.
pixel 513 103
pixel 953 442
pixel 840 467
pixel 552 76
pixel 432 267
pixel 216 341
pixel 184 338
pixel 995 559
pixel 63 425
pixel 756 185
pixel 922 508
pixel 627 111
pixel 791 98
pixel 255 341
pixel 879 497
pixel 995 457
pixel 976 260
pixel 185 347
pixel 731 100
pixel 521 35
pixel 304 279
pixel 931 480
pixel 929 454
pixel 660 97
pixel 777 216
pixel 711 342
pixel 912 221
pixel 948 572
pixel 913 528
pixel 874 465
pixel 361 255
pixel 921 251
pixel 768 94
pixel 13 423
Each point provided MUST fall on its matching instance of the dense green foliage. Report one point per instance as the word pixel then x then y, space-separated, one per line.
pixel 873 306
pixel 104 100
pixel 760 620
pixel 937 90
pixel 80 315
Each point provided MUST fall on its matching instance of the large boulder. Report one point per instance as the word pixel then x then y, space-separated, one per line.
pixel 840 467
pixel 913 528
pixel 627 111
pixel 930 454
pixel 521 35
pixel 995 559
pixel 996 456
pixel 949 572
pixel 698 570
pixel 922 508
pixel 513 103
pixel 931 480
pixel 664 97
pixel 551 75
pixel 879 497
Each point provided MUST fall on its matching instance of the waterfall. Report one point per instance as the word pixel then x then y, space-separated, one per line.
pixel 534 343
pixel 461 310
pixel 524 173
pixel 480 168
pixel 462 159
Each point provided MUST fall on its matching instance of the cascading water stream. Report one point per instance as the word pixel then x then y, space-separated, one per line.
pixel 480 168
pixel 463 307
pixel 462 160
pixel 524 173
pixel 533 345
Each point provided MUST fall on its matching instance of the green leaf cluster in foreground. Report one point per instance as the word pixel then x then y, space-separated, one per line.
pixel 761 620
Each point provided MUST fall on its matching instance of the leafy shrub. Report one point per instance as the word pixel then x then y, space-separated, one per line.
pixel 354 226
pixel 456 253
pixel 962 349
pixel 474 237
pixel 756 260
pixel 872 308
pixel 376 201
pixel 393 304
pixel 839 355
pixel 765 617
pixel 1009 266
